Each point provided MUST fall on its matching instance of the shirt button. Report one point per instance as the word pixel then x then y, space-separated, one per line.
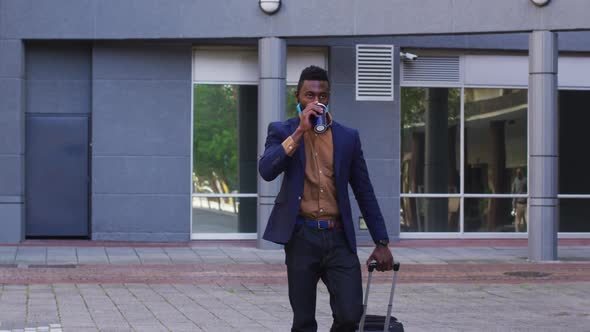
pixel 320 172
pixel 321 190
pixel 299 198
pixel 322 210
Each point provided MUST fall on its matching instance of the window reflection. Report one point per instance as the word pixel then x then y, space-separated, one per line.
pixel 224 139
pixel 224 215
pixel 494 155
pixel 429 214
pixel 495 139
pixel 496 215
pixel 291 101
pixel 225 130
pixel 430 121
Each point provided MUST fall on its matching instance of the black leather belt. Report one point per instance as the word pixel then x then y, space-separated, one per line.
pixel 318 224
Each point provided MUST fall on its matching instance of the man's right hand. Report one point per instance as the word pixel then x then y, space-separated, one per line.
pixel 311 110
pixel 305 122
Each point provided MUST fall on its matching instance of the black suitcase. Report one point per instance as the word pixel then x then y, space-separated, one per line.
pixel 388 323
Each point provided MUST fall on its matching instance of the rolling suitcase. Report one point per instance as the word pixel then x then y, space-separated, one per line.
pixel 370 323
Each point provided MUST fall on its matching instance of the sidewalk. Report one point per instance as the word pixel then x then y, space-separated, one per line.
pixel 467 285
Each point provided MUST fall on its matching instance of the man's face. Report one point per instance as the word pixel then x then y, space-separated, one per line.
pixel 313 92
pixel 519 173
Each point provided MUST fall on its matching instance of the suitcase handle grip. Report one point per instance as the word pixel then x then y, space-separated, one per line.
pixel 373 266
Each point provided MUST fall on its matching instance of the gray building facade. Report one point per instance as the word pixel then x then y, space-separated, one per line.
pixel 102 131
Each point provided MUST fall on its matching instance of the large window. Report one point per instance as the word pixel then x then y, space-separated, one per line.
pixel 430 121
pixel 488 163
pixel 463 160
pixel 495 154
pixel 225 121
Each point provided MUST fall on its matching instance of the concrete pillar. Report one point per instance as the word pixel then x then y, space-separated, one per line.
pixel 12 142
pixel 543 146
pixel 272 62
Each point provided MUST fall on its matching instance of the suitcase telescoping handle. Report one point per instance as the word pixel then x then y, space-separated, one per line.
pixel 372 267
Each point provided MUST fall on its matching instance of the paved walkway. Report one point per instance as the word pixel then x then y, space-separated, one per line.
pixel 219 286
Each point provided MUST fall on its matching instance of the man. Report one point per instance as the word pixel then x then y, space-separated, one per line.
pixel 312 214
pixel 519 203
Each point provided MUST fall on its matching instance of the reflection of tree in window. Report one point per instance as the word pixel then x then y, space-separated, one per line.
pixel 291 101
pixel 215 137
pixel 225 127
pixel 414 104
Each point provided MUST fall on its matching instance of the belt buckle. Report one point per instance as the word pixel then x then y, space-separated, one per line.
pixel 328 222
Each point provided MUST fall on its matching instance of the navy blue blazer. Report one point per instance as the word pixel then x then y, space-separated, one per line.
pixel 349 168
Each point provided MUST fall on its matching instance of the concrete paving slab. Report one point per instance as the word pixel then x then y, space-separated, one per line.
pixel 92 255
pixel 62 255
pixel 122 256
pixel 8 255
pixel 153 256
pixel 31 255
pixel 182 255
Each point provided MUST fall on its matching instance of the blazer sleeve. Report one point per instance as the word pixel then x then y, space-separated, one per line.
pixel 364 194
pixel 274 160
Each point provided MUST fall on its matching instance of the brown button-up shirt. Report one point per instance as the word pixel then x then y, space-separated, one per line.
pixel 319 199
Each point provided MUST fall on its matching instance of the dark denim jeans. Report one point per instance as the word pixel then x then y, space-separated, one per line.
pixel 314 254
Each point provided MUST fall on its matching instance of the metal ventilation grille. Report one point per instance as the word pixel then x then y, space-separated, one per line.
pixel 374 72
pixel 432 69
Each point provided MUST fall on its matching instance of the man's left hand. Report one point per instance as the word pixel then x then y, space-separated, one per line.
pixel 382 255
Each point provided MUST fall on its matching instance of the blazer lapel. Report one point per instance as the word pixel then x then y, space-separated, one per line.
pixel 336 141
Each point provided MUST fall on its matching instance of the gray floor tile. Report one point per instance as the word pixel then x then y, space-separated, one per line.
pixel 122 256
pixel 31 255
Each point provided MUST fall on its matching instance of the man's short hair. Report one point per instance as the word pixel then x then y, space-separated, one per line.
pixel 312 73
